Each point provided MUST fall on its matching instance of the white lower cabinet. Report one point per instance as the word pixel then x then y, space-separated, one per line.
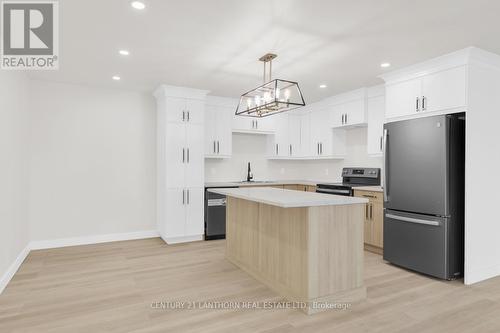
pixel 181 168
pixel 176 211
pixel 185 207
pixel 194 210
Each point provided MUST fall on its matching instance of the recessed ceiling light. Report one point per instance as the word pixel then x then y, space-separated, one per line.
pixel 138 5
pixel 116 78
pixel 124 52
pixel 385 65
pixel 322 85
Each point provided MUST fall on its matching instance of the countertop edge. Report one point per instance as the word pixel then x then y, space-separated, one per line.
pixel 304 204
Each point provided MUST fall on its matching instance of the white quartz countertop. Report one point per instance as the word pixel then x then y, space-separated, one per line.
pixel 265 183
pixel 287 198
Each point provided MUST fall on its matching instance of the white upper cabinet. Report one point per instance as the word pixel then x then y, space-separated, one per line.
pixel 376 116
pixel 348 109
pixel 305 135
pixel 184 110
pixel 437 86
pixel 280 147
pixel 218 128
pixel 403 98
pixel 325 142
pixel 285 142
pixel 265 125
pixel 444 90
pixel 294 137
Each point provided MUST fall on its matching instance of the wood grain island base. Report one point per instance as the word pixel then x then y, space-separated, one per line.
pixel 311 254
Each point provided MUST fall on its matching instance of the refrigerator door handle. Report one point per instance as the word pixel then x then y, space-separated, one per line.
pixel 384 151
pixel 412 220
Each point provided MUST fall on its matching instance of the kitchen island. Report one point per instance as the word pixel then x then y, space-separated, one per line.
pixel 306 246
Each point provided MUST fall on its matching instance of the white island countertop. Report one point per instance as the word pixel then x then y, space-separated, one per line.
pixel 287 198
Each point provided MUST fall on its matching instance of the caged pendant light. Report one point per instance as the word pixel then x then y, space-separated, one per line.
pixel 274 96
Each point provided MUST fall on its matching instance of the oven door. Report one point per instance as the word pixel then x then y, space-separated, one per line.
pixel 336 191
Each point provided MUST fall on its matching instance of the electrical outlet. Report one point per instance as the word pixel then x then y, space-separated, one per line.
pixel 327 172
pixel 212 171
pixel 282 171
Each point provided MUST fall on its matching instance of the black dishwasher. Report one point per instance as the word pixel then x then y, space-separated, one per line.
pixel 215 215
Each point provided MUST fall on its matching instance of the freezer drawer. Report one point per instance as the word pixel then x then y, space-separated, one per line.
pixel 417 242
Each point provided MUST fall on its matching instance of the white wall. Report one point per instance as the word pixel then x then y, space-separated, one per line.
pixel 92 167
pixel 252 148
pixel 482 221
pixel 14 232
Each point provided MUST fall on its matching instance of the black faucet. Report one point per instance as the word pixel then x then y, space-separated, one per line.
pixel 249 174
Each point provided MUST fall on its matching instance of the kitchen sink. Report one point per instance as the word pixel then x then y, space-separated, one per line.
pixel 256 182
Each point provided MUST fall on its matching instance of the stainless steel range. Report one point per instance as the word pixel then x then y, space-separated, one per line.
pixel 351 177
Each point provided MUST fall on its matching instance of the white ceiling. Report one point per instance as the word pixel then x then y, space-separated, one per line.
pixel 215 44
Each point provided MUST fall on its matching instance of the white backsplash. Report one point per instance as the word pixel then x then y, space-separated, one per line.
pixel 252 148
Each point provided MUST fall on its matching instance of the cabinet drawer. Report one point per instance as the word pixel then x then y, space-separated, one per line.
pixel 373 196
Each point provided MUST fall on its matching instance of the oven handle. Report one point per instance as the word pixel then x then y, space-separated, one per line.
pixel 323 190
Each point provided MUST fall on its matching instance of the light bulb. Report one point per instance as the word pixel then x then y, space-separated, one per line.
pixel 267 97
pixel 249 103
pixel 277 93
pixel 287 94
pixel 257 100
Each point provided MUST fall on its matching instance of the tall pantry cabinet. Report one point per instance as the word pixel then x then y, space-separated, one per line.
pixel 180 163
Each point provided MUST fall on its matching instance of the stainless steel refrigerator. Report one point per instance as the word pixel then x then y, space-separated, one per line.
pixel 424 163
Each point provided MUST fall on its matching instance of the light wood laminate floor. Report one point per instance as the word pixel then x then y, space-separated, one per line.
pixel 110 287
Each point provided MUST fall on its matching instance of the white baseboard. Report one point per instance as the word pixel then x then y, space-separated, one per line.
pixel 86 240
pixel 183 239
pixel 7 276
pixel 479 275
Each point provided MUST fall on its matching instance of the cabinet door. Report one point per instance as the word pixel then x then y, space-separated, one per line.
pixel 195 111
pixel 175 109
pixel 281 135
pixel 195 224
pixel 355 112
pixel 266 124
pixel 211 129
pixel 367 225
pixel 195 167
pixel 325 132
pixel 174 224
pixel 445 90
pixel 242 123
pixel 316 126
pixel 377 221
pixel 401 98
pixel 224 137
pixel 376 114
pixel 337 115
pixel 294 135
pixel 175 155
pixel 305 135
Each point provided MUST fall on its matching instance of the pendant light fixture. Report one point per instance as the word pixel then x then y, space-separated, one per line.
pixel 274 96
